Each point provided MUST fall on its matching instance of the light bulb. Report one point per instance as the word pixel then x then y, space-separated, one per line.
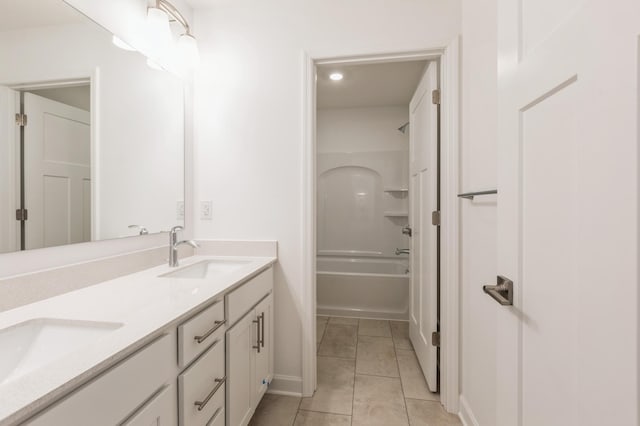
pixel 158 22
pixel 188 47
pixel 336 76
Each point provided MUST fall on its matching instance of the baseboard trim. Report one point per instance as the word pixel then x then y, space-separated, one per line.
pixel 286 385
pixel 466 415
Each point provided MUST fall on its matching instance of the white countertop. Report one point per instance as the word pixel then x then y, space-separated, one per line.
pixel 143 302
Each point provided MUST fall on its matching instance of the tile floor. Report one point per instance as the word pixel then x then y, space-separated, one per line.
pixel 368 375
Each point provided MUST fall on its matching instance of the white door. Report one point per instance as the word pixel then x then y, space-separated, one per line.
pixel 57 167
pixel 567 212
pixel 423 319
pixel 240 370
pixel 263 357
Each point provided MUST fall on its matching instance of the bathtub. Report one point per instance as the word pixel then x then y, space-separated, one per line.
pixel 366 288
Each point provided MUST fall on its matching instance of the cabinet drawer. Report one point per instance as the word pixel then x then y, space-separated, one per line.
pixel 248 295
pixel 161 410
pixel 202 387
pixel 198 333
pixel 117 393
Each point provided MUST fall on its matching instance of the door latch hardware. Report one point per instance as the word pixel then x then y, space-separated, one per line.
pixel 435 218
pixel 406 230
pixel 501 293
pixel 435 339
pixel 22 214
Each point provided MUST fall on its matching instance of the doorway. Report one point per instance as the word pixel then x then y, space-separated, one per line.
pixel 52 165
pixel 445 65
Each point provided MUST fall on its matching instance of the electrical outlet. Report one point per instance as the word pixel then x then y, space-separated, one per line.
pixel 206 208
pixel 180 210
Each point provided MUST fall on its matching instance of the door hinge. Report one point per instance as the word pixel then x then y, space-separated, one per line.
pixel 435 97
pixel 435 218
pixel 21 214
pixel 435 339
pixel 21 120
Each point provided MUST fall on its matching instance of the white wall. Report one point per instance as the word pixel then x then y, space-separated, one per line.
pixel 478 217
pixel 362 137
pixel 365 129
pixel 248 140
pixel 8 241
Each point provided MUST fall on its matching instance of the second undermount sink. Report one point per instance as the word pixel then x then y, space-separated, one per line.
pixel 30 345
pixel 208 268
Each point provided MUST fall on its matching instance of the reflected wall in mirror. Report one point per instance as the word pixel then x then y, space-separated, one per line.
pixel 103 145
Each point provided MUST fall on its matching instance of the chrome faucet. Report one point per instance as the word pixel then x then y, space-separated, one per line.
pixel 143 230
pixel 402 251
pixel 174 244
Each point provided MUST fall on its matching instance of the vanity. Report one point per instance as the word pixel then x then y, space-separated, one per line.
pixel 171 346
pixel 92 148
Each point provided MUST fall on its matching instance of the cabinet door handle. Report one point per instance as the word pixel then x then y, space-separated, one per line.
pixel 257 323
pixel 202 404
pixel 212 330
pixel 262 329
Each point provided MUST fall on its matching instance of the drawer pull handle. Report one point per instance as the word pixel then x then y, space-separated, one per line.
pixel 202 404
pixel 217 325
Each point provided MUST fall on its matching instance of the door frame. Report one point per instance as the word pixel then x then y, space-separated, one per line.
pixel 92 80
pixel 449 57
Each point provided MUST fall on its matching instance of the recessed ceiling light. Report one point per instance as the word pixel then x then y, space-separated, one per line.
pixel 336 76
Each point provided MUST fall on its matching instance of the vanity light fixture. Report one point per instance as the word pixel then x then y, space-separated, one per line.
pixel 336 76
pixel 159 16
pixel 158 25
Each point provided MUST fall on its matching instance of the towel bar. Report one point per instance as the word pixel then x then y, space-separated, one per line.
pixel 470 195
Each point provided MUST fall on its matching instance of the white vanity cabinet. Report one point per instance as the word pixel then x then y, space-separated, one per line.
pixel 138 388
pixel 249 348
pixel 211 368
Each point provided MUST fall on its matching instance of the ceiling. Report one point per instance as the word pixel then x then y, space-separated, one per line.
pixel 370 85
pixel 22 14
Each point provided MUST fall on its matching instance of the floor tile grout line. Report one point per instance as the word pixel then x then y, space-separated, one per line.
pixel 355 369
pixel 377 375
pixel 297 412
pixel 404 397
pixel 324 412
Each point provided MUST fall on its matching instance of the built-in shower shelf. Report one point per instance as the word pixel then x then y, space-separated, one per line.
pixel 396 214
pixel 396 190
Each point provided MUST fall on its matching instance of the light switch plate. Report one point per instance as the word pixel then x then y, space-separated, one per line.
pixel 180 210
pixel 206 208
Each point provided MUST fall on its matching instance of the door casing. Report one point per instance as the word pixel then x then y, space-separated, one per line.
pixel 448 57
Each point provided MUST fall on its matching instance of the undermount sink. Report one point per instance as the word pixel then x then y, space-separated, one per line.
pixel 208 268
pixel 32 344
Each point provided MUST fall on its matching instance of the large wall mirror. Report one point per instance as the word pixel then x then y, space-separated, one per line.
pixel 100 154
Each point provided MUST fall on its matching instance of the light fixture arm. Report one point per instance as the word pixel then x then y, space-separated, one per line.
pixel 174 13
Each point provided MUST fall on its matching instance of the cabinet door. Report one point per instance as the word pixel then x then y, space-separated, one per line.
pixel 160 411
pixel 240 370
pixel 112 396
pixel 263 357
